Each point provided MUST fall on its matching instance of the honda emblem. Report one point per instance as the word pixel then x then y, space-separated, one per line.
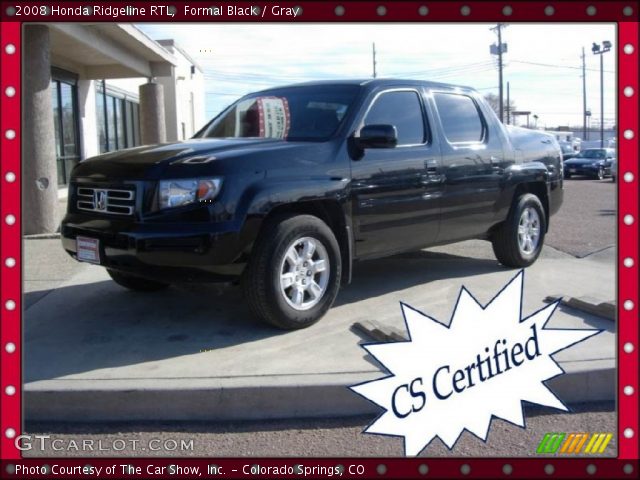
pixel 100 200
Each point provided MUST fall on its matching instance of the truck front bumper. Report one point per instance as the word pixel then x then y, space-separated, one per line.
pixel 162 251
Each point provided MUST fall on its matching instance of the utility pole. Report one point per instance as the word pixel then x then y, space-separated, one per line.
pixel 374 60
pixel 500 68
pixel 508 106
pixel 499 50
pixel 584 97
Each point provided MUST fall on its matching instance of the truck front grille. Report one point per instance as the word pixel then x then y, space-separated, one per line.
pixel 114 201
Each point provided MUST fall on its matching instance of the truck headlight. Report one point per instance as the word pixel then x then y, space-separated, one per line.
pixel 176 193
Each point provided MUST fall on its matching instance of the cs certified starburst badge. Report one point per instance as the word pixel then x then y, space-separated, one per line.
pixel 446 379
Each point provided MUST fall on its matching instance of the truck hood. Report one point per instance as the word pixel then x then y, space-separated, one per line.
pixel 199 156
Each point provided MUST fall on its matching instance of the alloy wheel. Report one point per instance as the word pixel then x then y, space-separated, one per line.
pixel 529 230
pixel 304 273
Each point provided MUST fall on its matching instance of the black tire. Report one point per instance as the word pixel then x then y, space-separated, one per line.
pixel 567 176
pixel 600 175
pixel 506 246
pixel 261 278
pixel 138 284
pixel 613 178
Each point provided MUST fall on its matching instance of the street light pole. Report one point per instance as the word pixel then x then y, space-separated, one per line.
pixel 584 97
pixel 373 46
pixel 508 106
pixel 598 50
pixel 601 103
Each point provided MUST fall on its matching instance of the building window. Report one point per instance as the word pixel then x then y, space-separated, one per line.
pixel 136 123
pixel 101 124
pixel 118 125
pixel 64 99
pixel 128 115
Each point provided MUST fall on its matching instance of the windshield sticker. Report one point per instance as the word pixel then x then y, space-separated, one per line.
pixel 274 117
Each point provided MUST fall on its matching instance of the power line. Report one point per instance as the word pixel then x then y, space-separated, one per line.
pixel 442 75
pixel 557 66
pixel 451 68
pixel 249 77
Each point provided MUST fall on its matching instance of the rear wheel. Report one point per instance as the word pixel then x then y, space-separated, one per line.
pixel 518 241
pixel 135 283
pixel 294 273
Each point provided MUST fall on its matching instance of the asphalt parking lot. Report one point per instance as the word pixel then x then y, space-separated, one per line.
pixel 586 223
pixel 326 437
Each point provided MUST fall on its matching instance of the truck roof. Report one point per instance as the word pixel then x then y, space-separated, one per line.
pixel 376 82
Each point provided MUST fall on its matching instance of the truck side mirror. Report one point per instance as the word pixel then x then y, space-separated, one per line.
pixel 377 136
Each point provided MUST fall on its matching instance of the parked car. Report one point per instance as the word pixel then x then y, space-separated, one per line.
pixel 568 150
pixel 593 162
pixel 614 169
pixel 288 188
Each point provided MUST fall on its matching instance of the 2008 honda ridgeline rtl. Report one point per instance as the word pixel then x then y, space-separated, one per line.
pixel 288 187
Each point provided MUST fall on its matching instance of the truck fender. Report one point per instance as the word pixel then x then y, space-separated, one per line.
pixel 324 198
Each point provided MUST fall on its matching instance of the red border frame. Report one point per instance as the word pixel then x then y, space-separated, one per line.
pixel 361 11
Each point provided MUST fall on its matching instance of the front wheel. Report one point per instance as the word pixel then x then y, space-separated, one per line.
pixel 517 243
pixel 600 173
pixel 294 272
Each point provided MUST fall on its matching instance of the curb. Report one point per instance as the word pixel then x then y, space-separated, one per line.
pixel 587 304
pixel 234 400
pixel 42 236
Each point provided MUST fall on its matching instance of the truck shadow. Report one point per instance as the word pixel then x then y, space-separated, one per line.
pixel 379 277
pixel 93 326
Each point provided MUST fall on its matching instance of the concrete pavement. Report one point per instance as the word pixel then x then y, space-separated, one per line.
pixel 95 351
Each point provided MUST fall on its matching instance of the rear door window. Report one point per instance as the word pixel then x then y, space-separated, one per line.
pixel 460 117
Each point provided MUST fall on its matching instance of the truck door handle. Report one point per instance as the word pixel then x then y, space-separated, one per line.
pixel 431 164
pixel 495 164
pixel 433 175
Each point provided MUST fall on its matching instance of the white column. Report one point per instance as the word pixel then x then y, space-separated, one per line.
pixel 39 170
pixel 88 118
pixel 152 126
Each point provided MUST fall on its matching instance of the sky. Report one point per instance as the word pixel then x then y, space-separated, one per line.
pixel 542 64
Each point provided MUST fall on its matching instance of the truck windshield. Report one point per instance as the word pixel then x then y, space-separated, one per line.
pixel 307 113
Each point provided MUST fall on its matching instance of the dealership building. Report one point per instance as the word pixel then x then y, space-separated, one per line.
pixel 93 88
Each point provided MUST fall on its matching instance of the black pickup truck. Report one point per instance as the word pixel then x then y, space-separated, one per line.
pixel 287 188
